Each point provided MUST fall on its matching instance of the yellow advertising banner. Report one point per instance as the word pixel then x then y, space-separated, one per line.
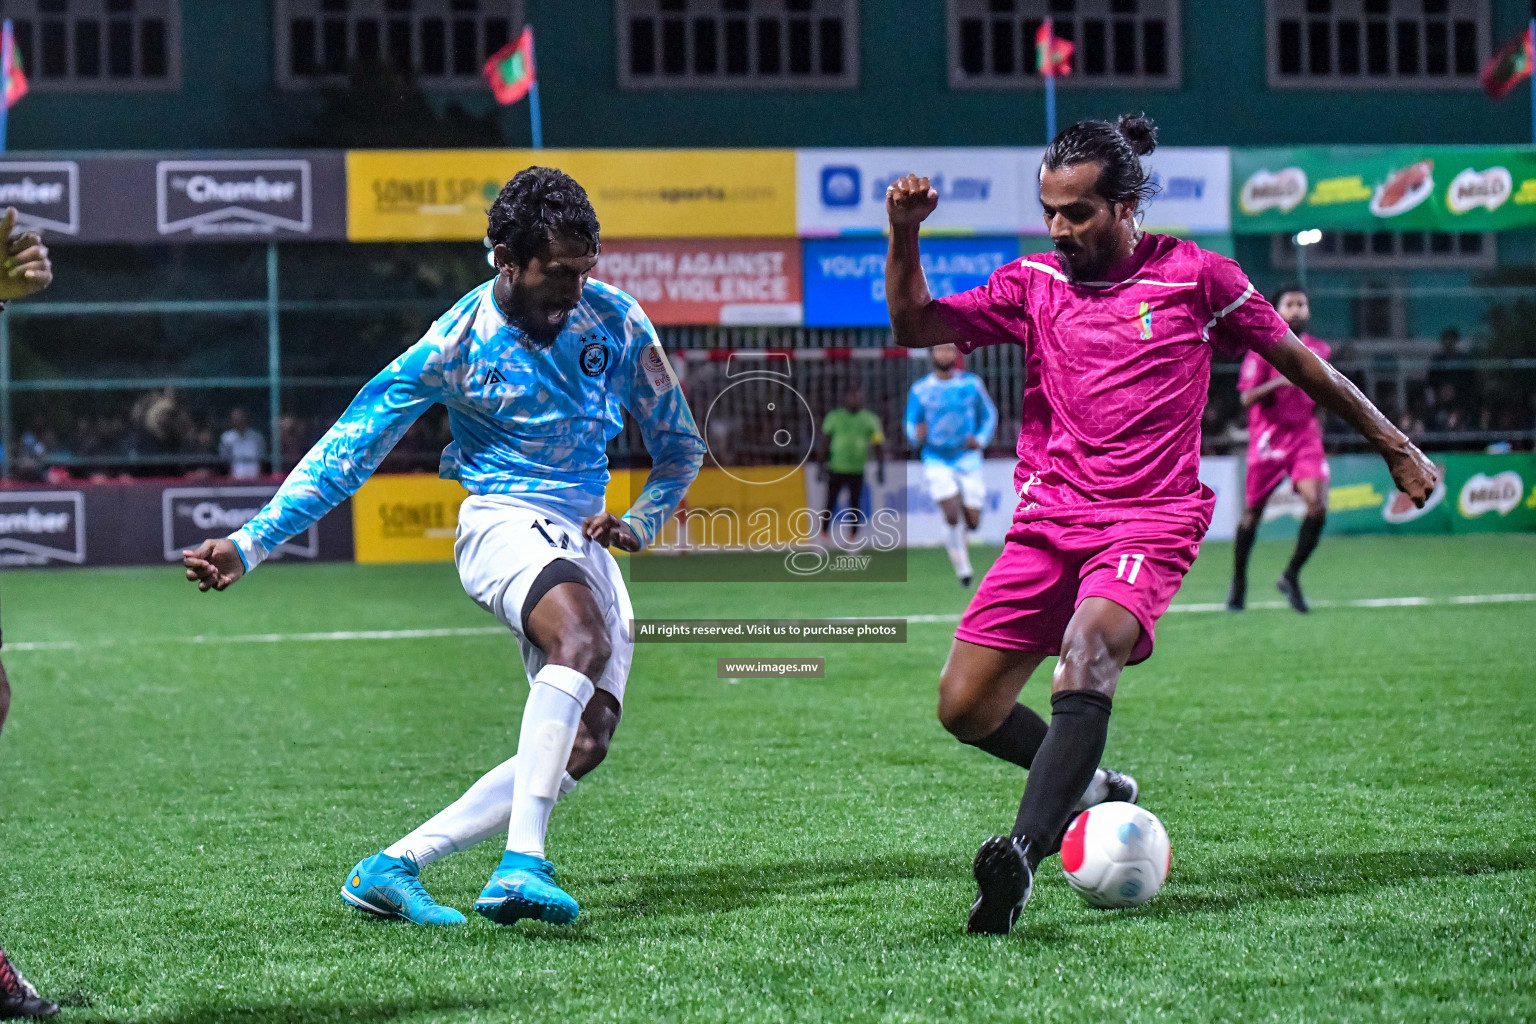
pixel 443 194
pixel 723 511
pixel 413 517
pixel 406 518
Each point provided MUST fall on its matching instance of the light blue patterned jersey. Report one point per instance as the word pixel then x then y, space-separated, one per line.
pixel 953 409
pixel 525 422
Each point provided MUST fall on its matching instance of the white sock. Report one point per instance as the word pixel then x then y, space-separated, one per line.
pixel 550 720
pixel 958 543
pixel 483 811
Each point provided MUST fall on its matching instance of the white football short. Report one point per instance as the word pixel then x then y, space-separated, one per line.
pixel 944 482
pixel 501 547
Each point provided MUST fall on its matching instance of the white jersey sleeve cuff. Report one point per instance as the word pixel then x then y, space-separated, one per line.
pixel 642 531
pixel 252 552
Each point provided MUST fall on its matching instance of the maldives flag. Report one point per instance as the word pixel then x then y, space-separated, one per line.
pixel 510 69
pixel 1053 55
pixel 15 78
pixel 1509 67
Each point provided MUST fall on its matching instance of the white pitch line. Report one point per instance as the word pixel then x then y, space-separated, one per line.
pixel 467 631
pixel 1368 602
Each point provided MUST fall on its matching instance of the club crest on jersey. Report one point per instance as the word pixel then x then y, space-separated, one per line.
pixel 594 359
pixel 1143 316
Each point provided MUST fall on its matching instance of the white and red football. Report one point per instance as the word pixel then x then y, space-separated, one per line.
pixel 1116 855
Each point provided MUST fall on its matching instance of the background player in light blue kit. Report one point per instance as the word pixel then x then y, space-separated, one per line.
pixel 535 368
pixel 951 418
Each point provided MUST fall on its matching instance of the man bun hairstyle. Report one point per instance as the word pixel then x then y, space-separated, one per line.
pixel 538 206
pixel 1117 149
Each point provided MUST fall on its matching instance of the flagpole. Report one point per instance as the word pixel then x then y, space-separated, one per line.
pixel 535 118
pixel 1050 80
pixel 6 40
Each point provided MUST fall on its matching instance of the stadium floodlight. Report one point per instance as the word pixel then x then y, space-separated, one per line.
pixel 1311 236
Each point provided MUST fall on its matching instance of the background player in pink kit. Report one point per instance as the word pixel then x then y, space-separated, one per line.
pixel 1117 328
pixel 1285 438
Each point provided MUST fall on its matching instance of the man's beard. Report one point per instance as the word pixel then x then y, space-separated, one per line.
pixel 540 332
pixel 1299 327
pixel 1083 263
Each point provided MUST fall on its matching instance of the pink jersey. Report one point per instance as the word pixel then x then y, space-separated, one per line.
pixel 1287 410
pixel 1117 375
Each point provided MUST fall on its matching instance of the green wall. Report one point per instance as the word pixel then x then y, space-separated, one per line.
pixel 227 98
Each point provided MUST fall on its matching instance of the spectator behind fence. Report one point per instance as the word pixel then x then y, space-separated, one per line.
pixel 242 447
pixel 1452 385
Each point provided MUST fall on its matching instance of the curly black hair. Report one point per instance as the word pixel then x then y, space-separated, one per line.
pixel 1116 148
pixel 537 206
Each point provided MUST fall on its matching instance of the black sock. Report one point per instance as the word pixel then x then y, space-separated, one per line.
pixel 1017 739
pixel 1242 546
pixel 1063 768
pixel 1306 543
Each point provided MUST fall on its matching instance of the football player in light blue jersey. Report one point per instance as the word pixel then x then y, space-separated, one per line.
pixel 951 418
pixel 535 368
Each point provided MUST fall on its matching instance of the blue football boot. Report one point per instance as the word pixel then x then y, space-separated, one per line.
pixel 389 887
pixel 524 886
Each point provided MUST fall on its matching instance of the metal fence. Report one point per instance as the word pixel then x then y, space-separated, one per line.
pixel 1496 406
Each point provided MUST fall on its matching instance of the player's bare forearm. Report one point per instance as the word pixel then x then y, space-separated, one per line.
pixel 1412 471
pixel 915 318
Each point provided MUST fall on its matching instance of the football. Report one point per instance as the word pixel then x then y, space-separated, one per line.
pixel 1116 855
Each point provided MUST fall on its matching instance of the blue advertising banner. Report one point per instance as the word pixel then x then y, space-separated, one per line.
pixel 845 277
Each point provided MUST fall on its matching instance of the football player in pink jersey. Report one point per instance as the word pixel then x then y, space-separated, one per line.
pixel 1117 328
pixel 1285 438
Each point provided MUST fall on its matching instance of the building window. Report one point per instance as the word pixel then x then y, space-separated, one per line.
pixel 441 43
pixel 1371 44
pixel 1403 250
pixel 98 45
pixel 1117 42
pixel 737 43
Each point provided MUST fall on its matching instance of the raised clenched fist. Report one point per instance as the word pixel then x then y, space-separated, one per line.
pixel 910 200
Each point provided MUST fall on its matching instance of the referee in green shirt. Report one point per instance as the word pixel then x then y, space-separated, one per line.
pixel 850 431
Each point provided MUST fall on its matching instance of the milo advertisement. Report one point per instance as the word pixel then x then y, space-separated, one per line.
pixel 1393 188
pixel 1477 494
pixel 1488 493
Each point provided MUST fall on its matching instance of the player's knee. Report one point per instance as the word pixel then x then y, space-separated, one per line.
pixel 1250 520
pixel 1317 509
pixel 961 714
pixel 1090 660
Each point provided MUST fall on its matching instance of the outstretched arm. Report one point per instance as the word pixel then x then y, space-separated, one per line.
pixel 1414 474
pixel 332 471
pixel 915 318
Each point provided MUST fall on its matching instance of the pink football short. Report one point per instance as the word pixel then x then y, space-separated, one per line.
pixel 1047 569
pixel 1299 457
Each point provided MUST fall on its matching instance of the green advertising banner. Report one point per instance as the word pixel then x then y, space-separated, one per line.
pixel 1362 499
pixel 1492 493
pixel 1477 494
pixel 1388 188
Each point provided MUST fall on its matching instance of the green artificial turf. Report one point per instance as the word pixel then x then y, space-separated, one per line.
pixel 1349 796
